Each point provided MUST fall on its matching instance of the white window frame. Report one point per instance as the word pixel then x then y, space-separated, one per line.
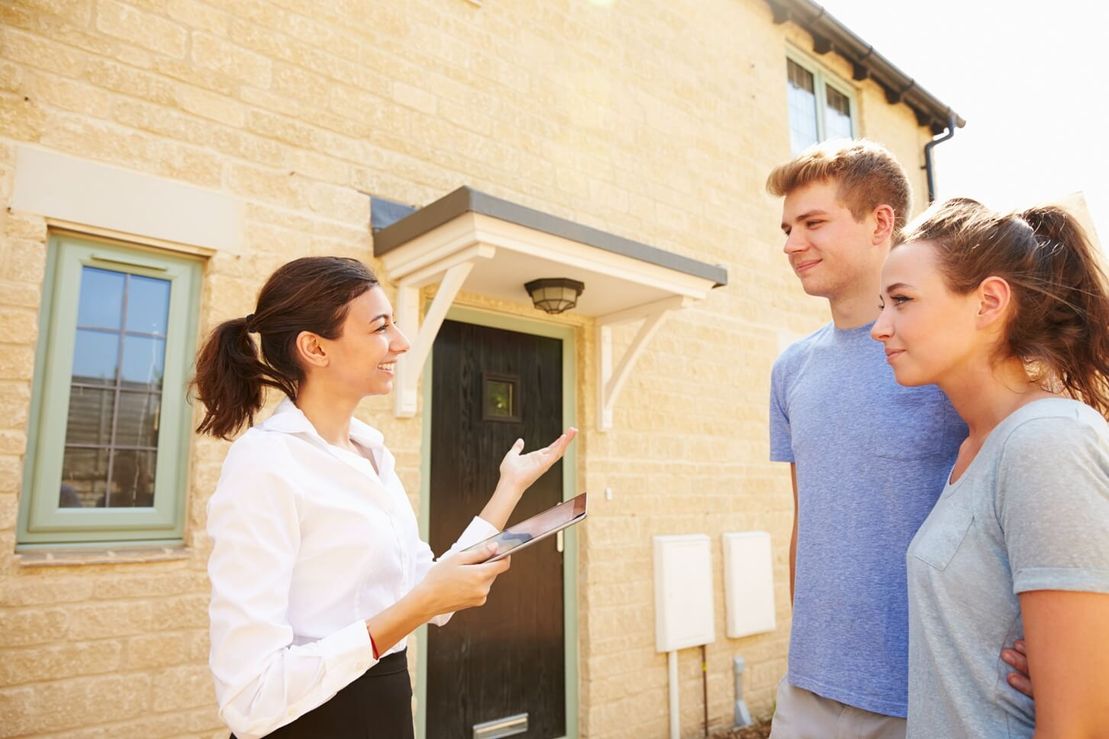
pixel 823 79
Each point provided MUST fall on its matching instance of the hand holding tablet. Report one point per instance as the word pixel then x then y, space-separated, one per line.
pixel 536 528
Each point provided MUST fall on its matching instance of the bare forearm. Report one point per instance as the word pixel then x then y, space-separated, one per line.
pixel 501 504
pixel 1067 637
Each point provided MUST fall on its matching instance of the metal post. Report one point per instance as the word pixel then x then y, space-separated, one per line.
pixel 742 713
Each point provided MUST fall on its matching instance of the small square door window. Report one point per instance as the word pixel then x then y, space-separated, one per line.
pixel 500 397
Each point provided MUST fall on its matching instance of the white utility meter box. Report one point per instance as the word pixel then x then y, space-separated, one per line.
pixel 748 583
pixel 683 592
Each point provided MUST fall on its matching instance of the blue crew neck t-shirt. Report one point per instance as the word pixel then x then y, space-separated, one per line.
pixel 872 458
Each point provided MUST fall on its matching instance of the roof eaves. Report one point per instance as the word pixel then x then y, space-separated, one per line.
pixel 830 35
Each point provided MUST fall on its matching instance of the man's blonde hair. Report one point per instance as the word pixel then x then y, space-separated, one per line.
pixel 867 174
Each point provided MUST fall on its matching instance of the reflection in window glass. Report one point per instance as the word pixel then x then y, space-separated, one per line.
pixel 802 107
pixel 90 416
pixel 147 305
pixel 84 478
pixel 837 115
pixel 131 484
pixel 111 431
pixel 101 300
pixel 94 357
pixel 137 423
pixel 143 361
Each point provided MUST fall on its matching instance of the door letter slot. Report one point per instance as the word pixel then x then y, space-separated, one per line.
pixel 507 726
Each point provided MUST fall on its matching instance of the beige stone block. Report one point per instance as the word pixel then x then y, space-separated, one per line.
pixel 414 97
pixel 130 81
pixel 67 94
pixel 25 627
pixel 198 15
pixel 36 588
pixel 58 661
pixel 181 162
pixel 150 31
pixel 19 326
pixel 215 107
pixel 109 620
pixel 179 688
pixel 282 128
pixel 9 503
pixel 43 53
pixel 150 584
pixel 212 52
pixel 276 186
pixel 67 704
pixel 15 401
pixel 165 649
pixel 339 203
pixel 182 612
pixel 21 118
pixel 11 77
pixel 187 724
pixel 191 74
pixel 17 362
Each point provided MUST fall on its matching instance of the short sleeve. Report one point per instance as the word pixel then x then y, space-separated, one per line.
pixel 781 438
pixel 1053 505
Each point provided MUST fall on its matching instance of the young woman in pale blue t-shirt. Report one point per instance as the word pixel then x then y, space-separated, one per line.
pixel 1009 315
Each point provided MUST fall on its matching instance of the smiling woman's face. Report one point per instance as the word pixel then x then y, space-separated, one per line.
pixel 929 332
pixel 363 358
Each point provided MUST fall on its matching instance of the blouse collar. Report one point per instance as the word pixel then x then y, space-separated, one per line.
pixel 289 419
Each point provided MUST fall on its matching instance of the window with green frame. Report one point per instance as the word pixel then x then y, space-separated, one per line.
pixel 110 423
pixel 818 109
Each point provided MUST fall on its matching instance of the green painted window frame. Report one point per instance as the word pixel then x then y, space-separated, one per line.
pixel 822 80
pixel 42 523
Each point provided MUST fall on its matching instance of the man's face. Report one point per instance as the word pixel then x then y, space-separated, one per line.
pixel 830 252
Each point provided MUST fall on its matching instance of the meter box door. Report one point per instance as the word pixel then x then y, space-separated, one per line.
pixel 683 592
pixel 748 583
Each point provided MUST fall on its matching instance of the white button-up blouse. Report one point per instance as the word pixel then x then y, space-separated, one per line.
pixel 308 541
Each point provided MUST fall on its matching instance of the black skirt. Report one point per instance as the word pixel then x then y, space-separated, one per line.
pixel 378 705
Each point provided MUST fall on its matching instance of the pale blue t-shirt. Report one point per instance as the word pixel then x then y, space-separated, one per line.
pixel 871 458
pixel 1031 512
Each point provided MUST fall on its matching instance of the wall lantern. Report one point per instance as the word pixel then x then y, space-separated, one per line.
pixel 554 294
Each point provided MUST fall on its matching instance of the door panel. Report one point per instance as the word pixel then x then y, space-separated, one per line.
pixel 491 386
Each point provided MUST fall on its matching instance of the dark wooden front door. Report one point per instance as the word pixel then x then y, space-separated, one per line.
pixel 490 387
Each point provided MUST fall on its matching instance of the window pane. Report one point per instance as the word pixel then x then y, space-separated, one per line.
pixel 94 357
pixel 90 416
pixel 137 424
pixel 147 304
pixel 101 298
pixel 143 361
pixel 84 478
pixel 838 115
pixel 132 484
pixel 802 107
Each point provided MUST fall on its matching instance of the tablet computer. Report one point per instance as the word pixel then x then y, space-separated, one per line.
pixel 538 527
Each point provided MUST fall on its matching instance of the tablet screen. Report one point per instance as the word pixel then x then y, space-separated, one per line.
pixel 539 526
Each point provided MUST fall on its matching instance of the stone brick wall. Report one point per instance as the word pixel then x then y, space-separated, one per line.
pixel 654 120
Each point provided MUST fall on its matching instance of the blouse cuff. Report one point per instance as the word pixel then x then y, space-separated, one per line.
pixel 478 530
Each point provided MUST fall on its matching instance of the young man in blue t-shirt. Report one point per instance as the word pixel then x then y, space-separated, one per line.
pixel 868 457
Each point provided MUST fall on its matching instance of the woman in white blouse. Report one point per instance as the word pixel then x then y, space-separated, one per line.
pixel 318 572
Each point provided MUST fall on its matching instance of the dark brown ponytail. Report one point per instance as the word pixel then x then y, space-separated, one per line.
pixel 1060 324
pixel 308 294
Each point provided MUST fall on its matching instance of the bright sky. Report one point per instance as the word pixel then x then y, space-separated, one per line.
pixel 1031 78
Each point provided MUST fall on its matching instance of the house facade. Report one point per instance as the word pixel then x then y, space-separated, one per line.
pixel 160 158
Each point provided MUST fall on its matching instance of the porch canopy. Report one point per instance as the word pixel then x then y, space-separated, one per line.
pixel 493 247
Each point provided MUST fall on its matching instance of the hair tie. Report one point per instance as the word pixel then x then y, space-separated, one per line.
pixel 249 321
